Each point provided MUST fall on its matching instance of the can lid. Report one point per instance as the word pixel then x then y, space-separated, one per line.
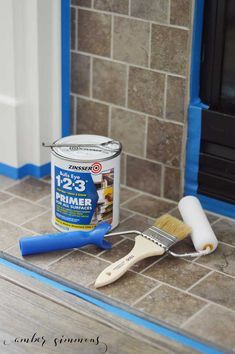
pixel 87 147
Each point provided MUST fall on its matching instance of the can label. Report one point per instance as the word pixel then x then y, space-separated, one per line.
pixel 82 199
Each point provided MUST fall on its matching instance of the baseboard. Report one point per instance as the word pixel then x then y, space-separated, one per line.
pixel 25 170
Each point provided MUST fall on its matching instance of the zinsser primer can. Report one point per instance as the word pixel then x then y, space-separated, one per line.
pixel 85 175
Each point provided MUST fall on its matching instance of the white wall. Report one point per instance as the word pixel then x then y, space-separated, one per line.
pixel 30 79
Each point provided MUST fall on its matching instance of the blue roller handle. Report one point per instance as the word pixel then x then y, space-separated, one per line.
pixel 65 240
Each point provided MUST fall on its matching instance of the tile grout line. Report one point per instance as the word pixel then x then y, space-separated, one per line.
pixel 14 183
pixel 153 264
pixel 35 217
pixel 5 201
pixel 118 61
pixel 129 8
pixel 150 46
pixel 169 13
pixel 194 315
pixel 125 108
pixel 199 281
pixel 227 244
pixel 110 13
pixel 210 268
pixel 145 295
pixel 58 259
pixel 14 196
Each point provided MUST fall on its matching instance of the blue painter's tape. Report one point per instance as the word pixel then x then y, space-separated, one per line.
pixel 65 66
pixel 164 331
pixel 25 170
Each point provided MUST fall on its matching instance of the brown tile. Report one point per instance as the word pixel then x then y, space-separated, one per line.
pixel 6 182
pixel 80 74
pixel 45 202
pixel 218 288
pixel 40 260
pixel 225 231
pixel 128 288
pixel 223 259
pixel 119 6
pixel 73 28
pixel 79 267
pixel 19 211
pixel 214 324
pixel 184 246
pixel 126 194
pixel 149 206
pixel 94 32
pixel 153 10
pixel 41 224
pixel 109 81
pixel 129 128
pixel 146 91
pixel 176 272
pixel 72 114
pixel 176 95
pixel 181 12
pixel 169 50
pixel 85 3
pixel 118 251
pixel 123 169
pixel 92 249
pixel 124 214
pixel 4 197
pixel 172 183
pixel 211 217
pixel 136 222
pixel 31 189
pixel 164 142
pixel 92 117
pixel 144 175
pixel 131 41
pixel 47 179
pixel 170 305
pixel 10 234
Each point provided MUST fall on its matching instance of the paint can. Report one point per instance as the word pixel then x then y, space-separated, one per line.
pixel 85 182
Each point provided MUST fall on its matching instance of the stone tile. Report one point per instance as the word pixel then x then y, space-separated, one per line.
pixel 172 183
pixel 119 6
pixel 129 128
pixel 152 10
pixel 176 272
pixel 136 222
pixel 170 305
pixel 47 179
pixel 169 50
pixel 214 324
pixel 80 74
pixel 92 249
pixel 73 120
pixel 149 206
pixel 10 234
pixel 79 267
pixel 181 13
pixel 19 211
pixel 6 182
pixel 4 197
pixel 185 246
pixel 85 3
pixel 41 224
pixel 175 101
pixel 124 214
pixel 92 117
pixel 118 251
pixel 94 32
pixel 40 260
pixel 144 175
pixel 218 288
pixel 225 231
pixel 123 169
pixel 128 288
pixel 211 217
pixel 45 202
pixel 31 189
pixel 109 81
pixel 223 259
pixel 126 194
pixel 146 91
pixel 131 41
pixel 72 28
pixel 164 142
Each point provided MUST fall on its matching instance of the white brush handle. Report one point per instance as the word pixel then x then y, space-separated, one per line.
pixel 142 249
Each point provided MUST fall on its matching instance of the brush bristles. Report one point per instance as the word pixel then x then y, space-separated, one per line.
pixel 173 226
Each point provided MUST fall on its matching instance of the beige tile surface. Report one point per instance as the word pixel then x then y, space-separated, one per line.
pixel 10 234
pixel 4 197
pixel 215 324
pixel 86 3
pixel 225 231
pixel 41 224
pixel 176 272
pixel 118 251
pixel 175 101
pixel 31 189
pixel 218 288
pixel 124 214
pixel 119 6
pixel 126 194
pixel 80 80
pixel 45 202
pixel 171 183
pixel 6 182
pixel 131 41
pixel 144 175
pixel 181 12
pixel 94 32
pixel 153 10
pixel 170 305
pixel 146 91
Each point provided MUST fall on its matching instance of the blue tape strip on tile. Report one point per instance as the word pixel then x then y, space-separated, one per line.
pixel 164 331
pixel 194 124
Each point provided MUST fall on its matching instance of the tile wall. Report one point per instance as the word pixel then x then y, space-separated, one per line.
pixel 129 80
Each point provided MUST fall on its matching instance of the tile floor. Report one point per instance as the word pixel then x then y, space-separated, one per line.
pixel 197 295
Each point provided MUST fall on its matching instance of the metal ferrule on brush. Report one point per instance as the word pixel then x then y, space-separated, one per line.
pixel 160 237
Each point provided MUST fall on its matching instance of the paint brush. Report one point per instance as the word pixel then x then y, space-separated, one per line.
pixel 155 241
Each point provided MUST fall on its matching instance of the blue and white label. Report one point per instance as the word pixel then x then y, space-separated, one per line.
pixel 75 197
